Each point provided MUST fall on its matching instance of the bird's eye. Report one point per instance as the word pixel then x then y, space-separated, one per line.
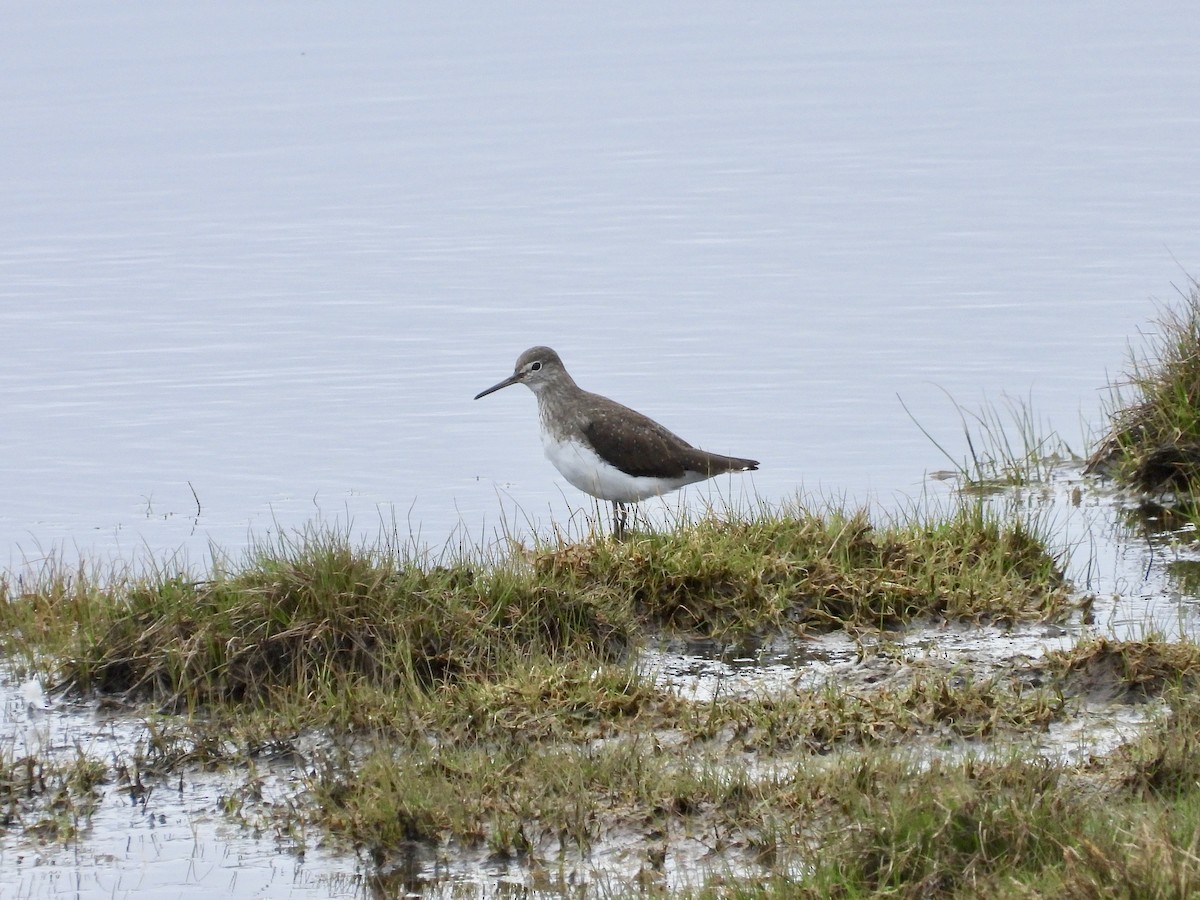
pixel 533 367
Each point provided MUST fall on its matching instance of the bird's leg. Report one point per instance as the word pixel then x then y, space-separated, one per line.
pixel 620 519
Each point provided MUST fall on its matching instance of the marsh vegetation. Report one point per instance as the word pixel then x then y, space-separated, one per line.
pixel 497 705
pixel 1154 442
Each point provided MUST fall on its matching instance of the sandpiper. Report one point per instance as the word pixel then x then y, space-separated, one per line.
pixel 605 449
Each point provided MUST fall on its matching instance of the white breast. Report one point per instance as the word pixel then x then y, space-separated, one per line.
pixel 580 465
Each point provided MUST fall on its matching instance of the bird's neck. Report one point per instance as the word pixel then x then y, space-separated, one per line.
pixel 558 407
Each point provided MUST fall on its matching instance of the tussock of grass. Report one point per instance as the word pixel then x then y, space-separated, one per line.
pixel 1125 670
pixel 301 617
pixel 827 571
pixel 1154 443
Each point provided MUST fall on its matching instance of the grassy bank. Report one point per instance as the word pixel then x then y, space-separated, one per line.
pixel 499 705
pixel 314 616
pixel 1154 441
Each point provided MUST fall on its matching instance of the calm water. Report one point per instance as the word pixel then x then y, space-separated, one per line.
pixel 274 252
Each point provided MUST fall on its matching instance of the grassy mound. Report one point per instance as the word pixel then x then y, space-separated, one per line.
pixel 303 617
pixel 831 570
pixel 310 616
pixel 1154 442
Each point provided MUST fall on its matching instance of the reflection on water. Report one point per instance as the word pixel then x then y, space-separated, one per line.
pixel 169 833
pixel 1151 517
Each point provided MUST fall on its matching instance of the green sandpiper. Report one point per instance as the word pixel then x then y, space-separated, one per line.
pixel 605 449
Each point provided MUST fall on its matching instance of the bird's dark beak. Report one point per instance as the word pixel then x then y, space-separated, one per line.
pixel 511 379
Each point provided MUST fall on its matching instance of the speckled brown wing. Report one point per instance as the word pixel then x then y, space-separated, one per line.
pixel 639 446
pixel 636 444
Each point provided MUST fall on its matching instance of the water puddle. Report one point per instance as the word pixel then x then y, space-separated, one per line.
pixel 152 835
pixel 703 670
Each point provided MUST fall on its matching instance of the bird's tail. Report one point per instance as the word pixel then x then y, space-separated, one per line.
pixel 718 464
